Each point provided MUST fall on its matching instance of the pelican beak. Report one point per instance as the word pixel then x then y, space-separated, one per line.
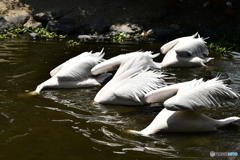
pixel 28 94
pixel 94 103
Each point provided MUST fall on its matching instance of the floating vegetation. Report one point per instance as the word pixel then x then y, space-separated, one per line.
pixel 41 32
pixel 93 33
pixel 219 47
pixel 119 36
pixel 225 45
pixel 72 43
pixel 216 48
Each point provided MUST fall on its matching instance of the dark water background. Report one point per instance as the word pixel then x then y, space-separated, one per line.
pixel 63 124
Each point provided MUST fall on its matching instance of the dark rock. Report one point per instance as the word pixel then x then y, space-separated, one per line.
pixel 175 26
pixel 237 30
pixel 67 21
pixel 184 32
pixel 50 23
pixel 48 15
pixel 208 33
pixel 100 25
pixel 3 23
pixel 127 28
pixel 162 34
pixel 83 29
pixel 18 21
pixel 225 29
pixel 60 28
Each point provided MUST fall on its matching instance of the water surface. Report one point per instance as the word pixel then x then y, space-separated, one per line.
pixel 63 123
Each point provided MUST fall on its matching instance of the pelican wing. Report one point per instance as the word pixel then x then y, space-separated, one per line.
pixel 190 46
pixel 187 46
pixel 130 83
pixel 107 65
pixel 78 67
pixel 136 86
pixel 136 79
pixel 162 94
pixel 114 63
pixel 197 94
pixel 168 46
pixel 57 69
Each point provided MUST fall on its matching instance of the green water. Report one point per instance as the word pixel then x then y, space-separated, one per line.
pixel 63 124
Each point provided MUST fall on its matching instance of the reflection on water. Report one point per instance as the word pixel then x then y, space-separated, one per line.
pixel 65 124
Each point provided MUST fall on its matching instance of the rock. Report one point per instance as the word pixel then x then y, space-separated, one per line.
pixel 60 28
pixel 83 29
pixel 127 28
pixel 100 25
pixel 208 33
pixel 3 23
pixel 36 25
pixel 67 21
pixel 48 15
pixel 175 26
pixel 162 34
pixel 18 21
pixel 225 29
pixel 185 32
pixel 84 37
pixel 33 35
pixel 237 30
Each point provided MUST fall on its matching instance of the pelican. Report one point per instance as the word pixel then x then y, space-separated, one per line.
pixel 75 73
pixel 182 107
pixel 131 82
pixel 185 52
pixel 181 52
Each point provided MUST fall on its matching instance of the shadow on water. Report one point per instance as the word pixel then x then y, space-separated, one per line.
pixel 64 124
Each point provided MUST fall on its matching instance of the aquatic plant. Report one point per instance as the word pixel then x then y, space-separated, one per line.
pixel 118 36
pixel 41 32
pixel 72 43
pixel 93 33
pixel 224 45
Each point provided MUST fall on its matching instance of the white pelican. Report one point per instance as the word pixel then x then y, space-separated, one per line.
pixel 131 82
pixel 185 52
pixel 181 52
pixel 181 112
pixel 75 73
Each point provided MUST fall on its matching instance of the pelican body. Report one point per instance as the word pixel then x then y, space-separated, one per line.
pixel 181 112
pixel 185 52
pixel 75 73
pixel 130 83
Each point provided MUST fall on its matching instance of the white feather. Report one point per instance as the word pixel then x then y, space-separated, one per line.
pixel 162 94
pixel 185 52
pixel 79 67
pixel 197 94
pixel 181 111
pixel 137 86
pixel 191 46
pixel 130 83
pixel 114 62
